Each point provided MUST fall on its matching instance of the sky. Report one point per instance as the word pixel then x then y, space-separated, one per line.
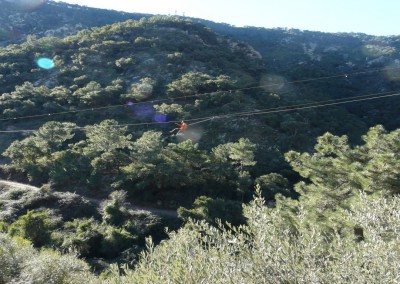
pixel 375 17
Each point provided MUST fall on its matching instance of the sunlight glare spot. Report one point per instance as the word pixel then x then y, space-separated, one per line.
pixel 160 117
pixel 45 63
pixel 393 71
pixel 272 83
pixel 28 5
pixel 143 111
pixel 194 134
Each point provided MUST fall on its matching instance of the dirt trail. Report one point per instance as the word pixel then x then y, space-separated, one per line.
pixel 18 185
pixel 157 211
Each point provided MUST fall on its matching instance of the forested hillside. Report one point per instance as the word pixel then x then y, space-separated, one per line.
pixel 288 54
pixel 368 64
pixel 283 118
pixel 343 228
pixel 20 18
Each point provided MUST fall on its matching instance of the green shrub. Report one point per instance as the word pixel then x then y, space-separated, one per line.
pixel 52 267
pixel 82 236
pixel 13 253
pixel 3 227
pixel 20 263
pixel 115 241
pixel 34 226
pixel 272 184
pixel 114 211
pixel 266 250
pixel 143 224
pixel 209 209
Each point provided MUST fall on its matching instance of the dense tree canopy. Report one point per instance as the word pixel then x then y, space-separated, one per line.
pixel 266 251
pixel 336 173
pixel 97 122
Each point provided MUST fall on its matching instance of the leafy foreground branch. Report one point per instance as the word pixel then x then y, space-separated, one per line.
pixel 263 251
pixel 21 263
pixel 266 251
pixel 344 228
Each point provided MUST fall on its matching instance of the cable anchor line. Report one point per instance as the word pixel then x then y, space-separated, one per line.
pixel 201 94
pixel 280 109
pixel 201 121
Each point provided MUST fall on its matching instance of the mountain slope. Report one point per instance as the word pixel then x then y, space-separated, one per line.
pixel 47 18
pixel 160 68
pixel 288 55
pixel 92 113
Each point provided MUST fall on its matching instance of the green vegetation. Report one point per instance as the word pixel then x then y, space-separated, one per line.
pixel 265 250
pixel 337 220
pixel 21 263
pixel 93 134
pixel 327 235
pixel 149 169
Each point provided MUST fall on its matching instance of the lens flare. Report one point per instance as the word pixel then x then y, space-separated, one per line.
pixel 143 110
pixel 27 5
pixel 272 83
pixel 393 71
pixel 192 133
pixel 45 63
pixel 160 117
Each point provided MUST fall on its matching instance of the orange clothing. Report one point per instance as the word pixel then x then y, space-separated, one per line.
pixel 182 126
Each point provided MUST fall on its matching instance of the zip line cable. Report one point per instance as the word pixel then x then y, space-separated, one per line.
pixel 289 107
pixel 246 113
pixel 311 106
pixel 275 110
pixel 198 95
pixel 63 112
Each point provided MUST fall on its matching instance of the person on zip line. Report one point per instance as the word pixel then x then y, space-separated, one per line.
pixel 182 127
